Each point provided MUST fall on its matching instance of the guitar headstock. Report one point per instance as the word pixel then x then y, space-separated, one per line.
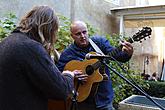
pixel 142 34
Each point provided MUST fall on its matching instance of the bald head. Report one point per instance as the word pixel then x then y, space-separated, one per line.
pixel 79 33
pixel 77 24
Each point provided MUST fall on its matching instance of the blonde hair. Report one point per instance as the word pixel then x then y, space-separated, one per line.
pixel 42 25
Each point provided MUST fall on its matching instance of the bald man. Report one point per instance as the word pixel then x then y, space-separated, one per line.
pixel 103 97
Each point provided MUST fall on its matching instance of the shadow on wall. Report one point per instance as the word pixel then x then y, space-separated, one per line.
pixel 112 24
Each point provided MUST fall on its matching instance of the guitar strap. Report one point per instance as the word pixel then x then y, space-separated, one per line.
pixel 95 85
pixel 97 49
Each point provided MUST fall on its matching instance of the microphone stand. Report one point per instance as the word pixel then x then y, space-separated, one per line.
pixel 129 82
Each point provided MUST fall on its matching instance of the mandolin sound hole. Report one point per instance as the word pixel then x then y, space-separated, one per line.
pixel 89 69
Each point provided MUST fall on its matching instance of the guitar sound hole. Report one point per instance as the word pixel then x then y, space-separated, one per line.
pixel 89 69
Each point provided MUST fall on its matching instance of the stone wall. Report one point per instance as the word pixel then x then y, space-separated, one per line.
pixel 95 12
pixel 20 7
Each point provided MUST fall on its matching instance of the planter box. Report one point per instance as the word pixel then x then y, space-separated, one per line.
pixel 138 102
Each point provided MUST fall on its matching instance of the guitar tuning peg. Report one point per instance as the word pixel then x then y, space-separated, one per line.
pixel 140 41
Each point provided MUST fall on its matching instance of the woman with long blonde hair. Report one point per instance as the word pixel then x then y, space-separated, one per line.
pixel 28 75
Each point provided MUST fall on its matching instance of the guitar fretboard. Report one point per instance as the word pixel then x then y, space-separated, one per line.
pixel 142 34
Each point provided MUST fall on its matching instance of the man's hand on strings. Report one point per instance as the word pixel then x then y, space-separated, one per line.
pixel 80 76
pixel 127 47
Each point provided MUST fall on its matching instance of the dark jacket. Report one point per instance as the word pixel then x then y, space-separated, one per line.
pixel 28 76
pixel 104 95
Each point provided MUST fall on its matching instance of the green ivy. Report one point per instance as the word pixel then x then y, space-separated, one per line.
pixel 63 35
pixel 7 24
pixel 156 89
pixel 121 88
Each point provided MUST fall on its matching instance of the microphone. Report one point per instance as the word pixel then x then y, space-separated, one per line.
pixel 94 56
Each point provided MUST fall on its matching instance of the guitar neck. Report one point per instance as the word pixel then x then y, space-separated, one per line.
pixel 145 32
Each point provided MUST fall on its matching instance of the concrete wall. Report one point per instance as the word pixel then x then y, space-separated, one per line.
pixel 95 12
pixel 20 7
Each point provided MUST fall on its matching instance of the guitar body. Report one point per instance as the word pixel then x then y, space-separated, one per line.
pixel 56 105
pixel 84 89
pixel 59 104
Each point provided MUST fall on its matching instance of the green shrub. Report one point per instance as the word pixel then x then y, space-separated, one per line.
pixel 63 35
pixel 121 88
pixel 156 89
pixel 7 24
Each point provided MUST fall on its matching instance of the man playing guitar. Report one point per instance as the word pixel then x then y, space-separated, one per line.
pixel 102 99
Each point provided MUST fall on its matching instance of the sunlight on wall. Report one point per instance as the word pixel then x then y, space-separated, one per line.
pixel 117 2
pixel 163 44
pixel 150 2
pixel 141 2
pixel 160 42
pixel 156 2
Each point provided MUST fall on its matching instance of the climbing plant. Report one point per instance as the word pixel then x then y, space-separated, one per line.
pixel 7 24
